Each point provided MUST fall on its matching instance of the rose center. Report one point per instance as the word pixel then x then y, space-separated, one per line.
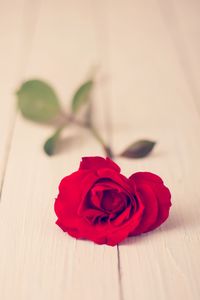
pixel 112 201
pixel 105 202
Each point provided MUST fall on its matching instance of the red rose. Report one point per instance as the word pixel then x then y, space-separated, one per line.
pixel 100 204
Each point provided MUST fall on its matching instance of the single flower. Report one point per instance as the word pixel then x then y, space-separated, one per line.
pixel 100 204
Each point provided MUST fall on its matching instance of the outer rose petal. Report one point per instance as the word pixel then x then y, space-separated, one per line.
pixel 97 162
pixel 156 198
pixel 69 198
pixel 148 198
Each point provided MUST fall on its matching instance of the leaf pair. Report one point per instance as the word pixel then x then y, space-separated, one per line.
pixel 38 102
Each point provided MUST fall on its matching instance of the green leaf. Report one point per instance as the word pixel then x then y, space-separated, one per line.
pixel 81 96
pixel 138 149
pixel 50 144
pixel 38 101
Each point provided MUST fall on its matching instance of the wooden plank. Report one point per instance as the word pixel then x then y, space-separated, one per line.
pixel 151 98
pixel 39 261
pixel 10 66
pixel 182 20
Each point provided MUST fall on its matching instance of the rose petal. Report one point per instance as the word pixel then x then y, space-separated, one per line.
pixel 145 176
pixel 97 162
pixel 144 192
pixel 123 216
pixel 70 196
pixel 164 203
pixel 159 196
pixel 117 178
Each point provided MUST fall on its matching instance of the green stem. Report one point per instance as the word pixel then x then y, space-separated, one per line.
pixel 98 137
pixel 107 149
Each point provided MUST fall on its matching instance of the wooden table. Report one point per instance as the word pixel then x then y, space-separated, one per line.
pixel 148 54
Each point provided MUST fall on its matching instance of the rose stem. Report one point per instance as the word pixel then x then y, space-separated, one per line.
pixel 107 149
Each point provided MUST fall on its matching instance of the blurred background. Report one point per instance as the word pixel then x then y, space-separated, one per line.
pixel 148 51
pixel 146 55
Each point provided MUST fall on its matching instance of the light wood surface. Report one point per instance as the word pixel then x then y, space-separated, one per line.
pixel 148 58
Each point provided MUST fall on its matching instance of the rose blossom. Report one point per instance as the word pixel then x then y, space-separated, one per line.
pixel 100 204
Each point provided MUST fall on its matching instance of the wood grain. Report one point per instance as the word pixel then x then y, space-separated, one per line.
pixel 147 87
pixel 10 65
